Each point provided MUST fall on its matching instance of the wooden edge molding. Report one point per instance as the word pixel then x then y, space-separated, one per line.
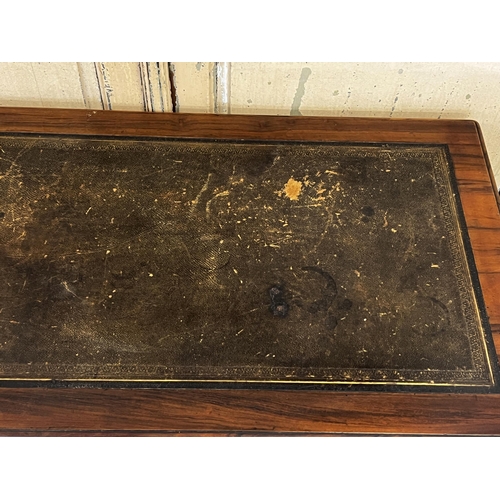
pixel 132 123
pixel 230 411
pixel 488 164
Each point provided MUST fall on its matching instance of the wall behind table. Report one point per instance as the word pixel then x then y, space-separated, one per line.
pixel 398 90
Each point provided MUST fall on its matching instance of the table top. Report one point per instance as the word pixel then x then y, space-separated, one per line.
pixel 409 202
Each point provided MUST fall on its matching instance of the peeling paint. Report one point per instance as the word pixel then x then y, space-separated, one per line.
pixel 393 106
pixel 222 85
pixel 173 87
pixel 105 87
pixel 299 93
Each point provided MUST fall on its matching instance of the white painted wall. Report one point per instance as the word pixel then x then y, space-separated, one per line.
pixel 398 90
pixel 419 90
pixel 100 85
pixel 40 84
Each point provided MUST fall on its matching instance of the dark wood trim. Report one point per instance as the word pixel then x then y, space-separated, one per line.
pixel 236 410
pixel 131 123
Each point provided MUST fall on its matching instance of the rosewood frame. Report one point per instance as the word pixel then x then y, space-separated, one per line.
pixel 75 411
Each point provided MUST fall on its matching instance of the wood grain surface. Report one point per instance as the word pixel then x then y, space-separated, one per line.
pixel 45 411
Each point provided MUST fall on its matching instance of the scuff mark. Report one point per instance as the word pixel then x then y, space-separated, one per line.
pixel 293 188
pixel 199 65
pixel 209 202
pixel 328 223
pixel 194 203
pixel 67 288
pixel 299 93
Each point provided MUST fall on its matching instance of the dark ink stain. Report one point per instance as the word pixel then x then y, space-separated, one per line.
pixel 365 219
pixel 278 306
pixel 280 310
pixel 439 303
pixel 355 172
pixel 331 322
pixel 368 211
pixel 345 305
pixel 2 215
pixel 331 286
pixel 444 310
pixel 409 281
pixel 259 161
pixel 318 305
pixel 323 304
pixel 438 315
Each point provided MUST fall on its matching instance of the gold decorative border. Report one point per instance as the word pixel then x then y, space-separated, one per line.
pixel 481 375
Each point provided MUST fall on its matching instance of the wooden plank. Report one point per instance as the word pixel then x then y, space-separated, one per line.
pixel 237 410
pixel 239 126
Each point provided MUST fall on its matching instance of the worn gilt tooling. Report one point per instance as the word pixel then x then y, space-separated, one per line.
pixel 161 260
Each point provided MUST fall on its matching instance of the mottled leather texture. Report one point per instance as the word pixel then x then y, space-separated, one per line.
pixel 216 262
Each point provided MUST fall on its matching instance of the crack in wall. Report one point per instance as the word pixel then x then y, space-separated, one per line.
pixel 173 87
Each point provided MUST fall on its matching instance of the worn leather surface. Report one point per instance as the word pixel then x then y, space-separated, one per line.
pixel 160 260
